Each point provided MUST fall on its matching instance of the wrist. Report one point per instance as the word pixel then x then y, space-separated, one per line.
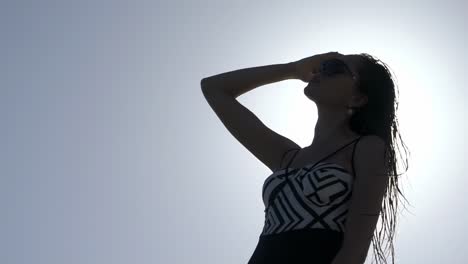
pixel 290 70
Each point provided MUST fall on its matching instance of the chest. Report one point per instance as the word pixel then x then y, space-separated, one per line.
pixel 306 157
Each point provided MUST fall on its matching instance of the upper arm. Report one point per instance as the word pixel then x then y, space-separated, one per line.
pixel 264 143
pixel 366 200
pixel 371 180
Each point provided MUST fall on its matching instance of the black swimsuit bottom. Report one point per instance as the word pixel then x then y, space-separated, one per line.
pixel 304 246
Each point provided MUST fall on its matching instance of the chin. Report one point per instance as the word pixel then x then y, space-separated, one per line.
pixel 307 93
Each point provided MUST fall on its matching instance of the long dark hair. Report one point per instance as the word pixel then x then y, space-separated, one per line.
pixel 377 117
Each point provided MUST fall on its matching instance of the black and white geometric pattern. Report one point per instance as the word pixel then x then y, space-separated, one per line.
pixel 309 197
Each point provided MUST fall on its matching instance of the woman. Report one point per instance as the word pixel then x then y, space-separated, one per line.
pixel 323 206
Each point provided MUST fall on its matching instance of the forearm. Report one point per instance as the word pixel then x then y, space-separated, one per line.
pixel 241 81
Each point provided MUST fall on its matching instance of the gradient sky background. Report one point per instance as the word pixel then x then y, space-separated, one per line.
pixel 110 153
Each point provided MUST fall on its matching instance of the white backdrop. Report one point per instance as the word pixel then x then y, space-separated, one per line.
pixel 110 153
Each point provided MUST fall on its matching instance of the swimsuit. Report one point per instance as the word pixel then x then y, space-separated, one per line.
pixel 305 213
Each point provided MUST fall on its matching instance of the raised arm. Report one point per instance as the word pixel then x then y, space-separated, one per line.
pixel 221 91
pixel 238 82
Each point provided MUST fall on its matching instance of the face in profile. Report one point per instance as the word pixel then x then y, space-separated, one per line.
pixel 333 84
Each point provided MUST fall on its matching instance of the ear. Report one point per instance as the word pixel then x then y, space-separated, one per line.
pixel 363 100
pixel 359 100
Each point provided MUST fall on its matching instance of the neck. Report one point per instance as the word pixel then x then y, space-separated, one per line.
pixel 332 125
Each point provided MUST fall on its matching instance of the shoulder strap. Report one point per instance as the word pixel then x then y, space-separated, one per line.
pixel 284 155
pixel 356 139
pixel 352 158
pixel 290 161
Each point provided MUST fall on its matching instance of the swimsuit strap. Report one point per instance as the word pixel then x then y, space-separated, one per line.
pixel 356 139
pixel 284 154
pixel 290 161
pixel 352 159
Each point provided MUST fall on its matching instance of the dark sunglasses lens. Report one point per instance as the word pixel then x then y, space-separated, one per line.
pixel 333 66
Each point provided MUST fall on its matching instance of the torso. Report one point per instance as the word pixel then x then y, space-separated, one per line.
pixel 308 198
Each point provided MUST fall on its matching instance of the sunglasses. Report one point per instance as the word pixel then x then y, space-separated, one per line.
pixel 334 67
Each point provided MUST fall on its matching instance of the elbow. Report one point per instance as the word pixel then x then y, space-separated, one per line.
pixel 204 82
pixel 204 86
pixel 208 90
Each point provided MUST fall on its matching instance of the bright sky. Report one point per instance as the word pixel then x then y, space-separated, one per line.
pixel 112 155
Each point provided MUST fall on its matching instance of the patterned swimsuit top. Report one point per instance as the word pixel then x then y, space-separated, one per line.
pixel 313 196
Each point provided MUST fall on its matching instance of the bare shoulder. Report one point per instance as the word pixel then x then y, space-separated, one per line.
pixel 372 141
pixel 370 155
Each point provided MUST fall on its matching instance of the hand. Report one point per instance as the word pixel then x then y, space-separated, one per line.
pixel 306 68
